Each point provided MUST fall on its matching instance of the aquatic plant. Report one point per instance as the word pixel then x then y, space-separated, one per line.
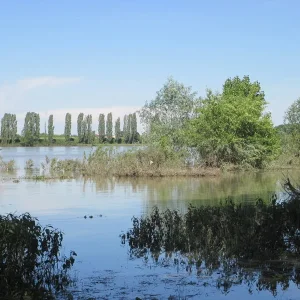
pixel 237 242
pixel 29 164
pixel 31 264
pixel 7 165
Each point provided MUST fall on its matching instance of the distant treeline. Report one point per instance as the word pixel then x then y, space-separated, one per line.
pixel 31 134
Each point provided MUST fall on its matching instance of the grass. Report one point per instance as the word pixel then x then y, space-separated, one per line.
pixel 146 162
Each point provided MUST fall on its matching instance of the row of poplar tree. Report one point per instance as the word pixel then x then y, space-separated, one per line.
pixel 31 129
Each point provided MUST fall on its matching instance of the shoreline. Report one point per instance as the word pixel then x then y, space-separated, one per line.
pixel 68 146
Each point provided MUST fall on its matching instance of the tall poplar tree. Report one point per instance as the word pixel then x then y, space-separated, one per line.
pixel 79 127
pixel 101 128
pixel 133 128
pixel 50 129
pixel 68 126
pixel 31 129
pixel 109 127
pixel 118 130
pixel 5 129
pixel 125 129
pixel 89 132
pixel 128 129
pixel 36 122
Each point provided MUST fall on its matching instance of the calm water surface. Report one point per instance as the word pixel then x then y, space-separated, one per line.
pixel 103 266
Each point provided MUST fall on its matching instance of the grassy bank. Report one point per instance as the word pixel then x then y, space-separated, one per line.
pixel 146 162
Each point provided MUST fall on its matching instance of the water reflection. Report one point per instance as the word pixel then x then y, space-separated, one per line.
pixel 254 245
pixel 176 192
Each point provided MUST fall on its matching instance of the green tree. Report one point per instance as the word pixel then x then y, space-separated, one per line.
pixel 126 134
pixel 118 130
pixel 232 127
pixel 83 138
pixel 165 117
pixel 109 127
pixel 13 127
pixel 291 132
pixel 50 129
pixel 89 132
pixel 31 129
pixel 101 128
pixel 5 130
pixel 36 122
pixel 68 127
pixel 128 130
pixel 133 128
pixel 79 127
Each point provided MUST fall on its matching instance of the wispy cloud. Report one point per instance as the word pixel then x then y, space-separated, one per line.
pixel 12 94
pixel 49 81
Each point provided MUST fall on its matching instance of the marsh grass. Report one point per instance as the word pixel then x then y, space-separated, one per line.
pixel 8 166
pixel 145 162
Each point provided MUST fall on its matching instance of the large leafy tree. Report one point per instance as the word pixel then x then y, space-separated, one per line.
pixel 165 117
pixel 68 126
pixel 291 130
pixel 233 127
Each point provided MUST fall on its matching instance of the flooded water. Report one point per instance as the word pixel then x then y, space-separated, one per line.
pixel 104 268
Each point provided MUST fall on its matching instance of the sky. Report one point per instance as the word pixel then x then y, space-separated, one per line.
pixel 99 56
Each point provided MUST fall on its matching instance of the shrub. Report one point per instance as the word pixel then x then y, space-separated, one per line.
pixel 30 260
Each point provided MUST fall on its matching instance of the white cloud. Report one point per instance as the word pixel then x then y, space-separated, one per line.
pixel 12 94
pixel 50 81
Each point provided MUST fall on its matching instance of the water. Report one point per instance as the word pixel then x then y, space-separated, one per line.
pixel 103 267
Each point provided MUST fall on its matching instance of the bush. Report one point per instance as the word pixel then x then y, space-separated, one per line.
pixel 30 261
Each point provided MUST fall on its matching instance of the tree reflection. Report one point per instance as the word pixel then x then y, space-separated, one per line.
pixel 254 244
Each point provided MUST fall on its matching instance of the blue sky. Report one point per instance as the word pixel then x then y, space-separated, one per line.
pixel 101 56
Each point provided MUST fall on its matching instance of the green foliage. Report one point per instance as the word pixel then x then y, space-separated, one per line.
pixel 68 126
pixel 133 128
pixel 126 129
pixel 31 129
pixel 101 128
pixel 8 128
pixel 118 131
pixel 291 134
pixel 31 262
pixel 109 128
pixel 232 127
pixel 50 129
pixel 165 117
pixel 89 132
pixel 80 126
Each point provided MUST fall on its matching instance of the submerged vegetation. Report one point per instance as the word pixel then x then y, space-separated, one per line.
pixel 234 243
pixel 32 265
pixel 7 165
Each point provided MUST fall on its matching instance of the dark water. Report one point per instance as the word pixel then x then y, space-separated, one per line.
pixel 103 267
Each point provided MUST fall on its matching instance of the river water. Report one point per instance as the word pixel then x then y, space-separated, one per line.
pixel 103 267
